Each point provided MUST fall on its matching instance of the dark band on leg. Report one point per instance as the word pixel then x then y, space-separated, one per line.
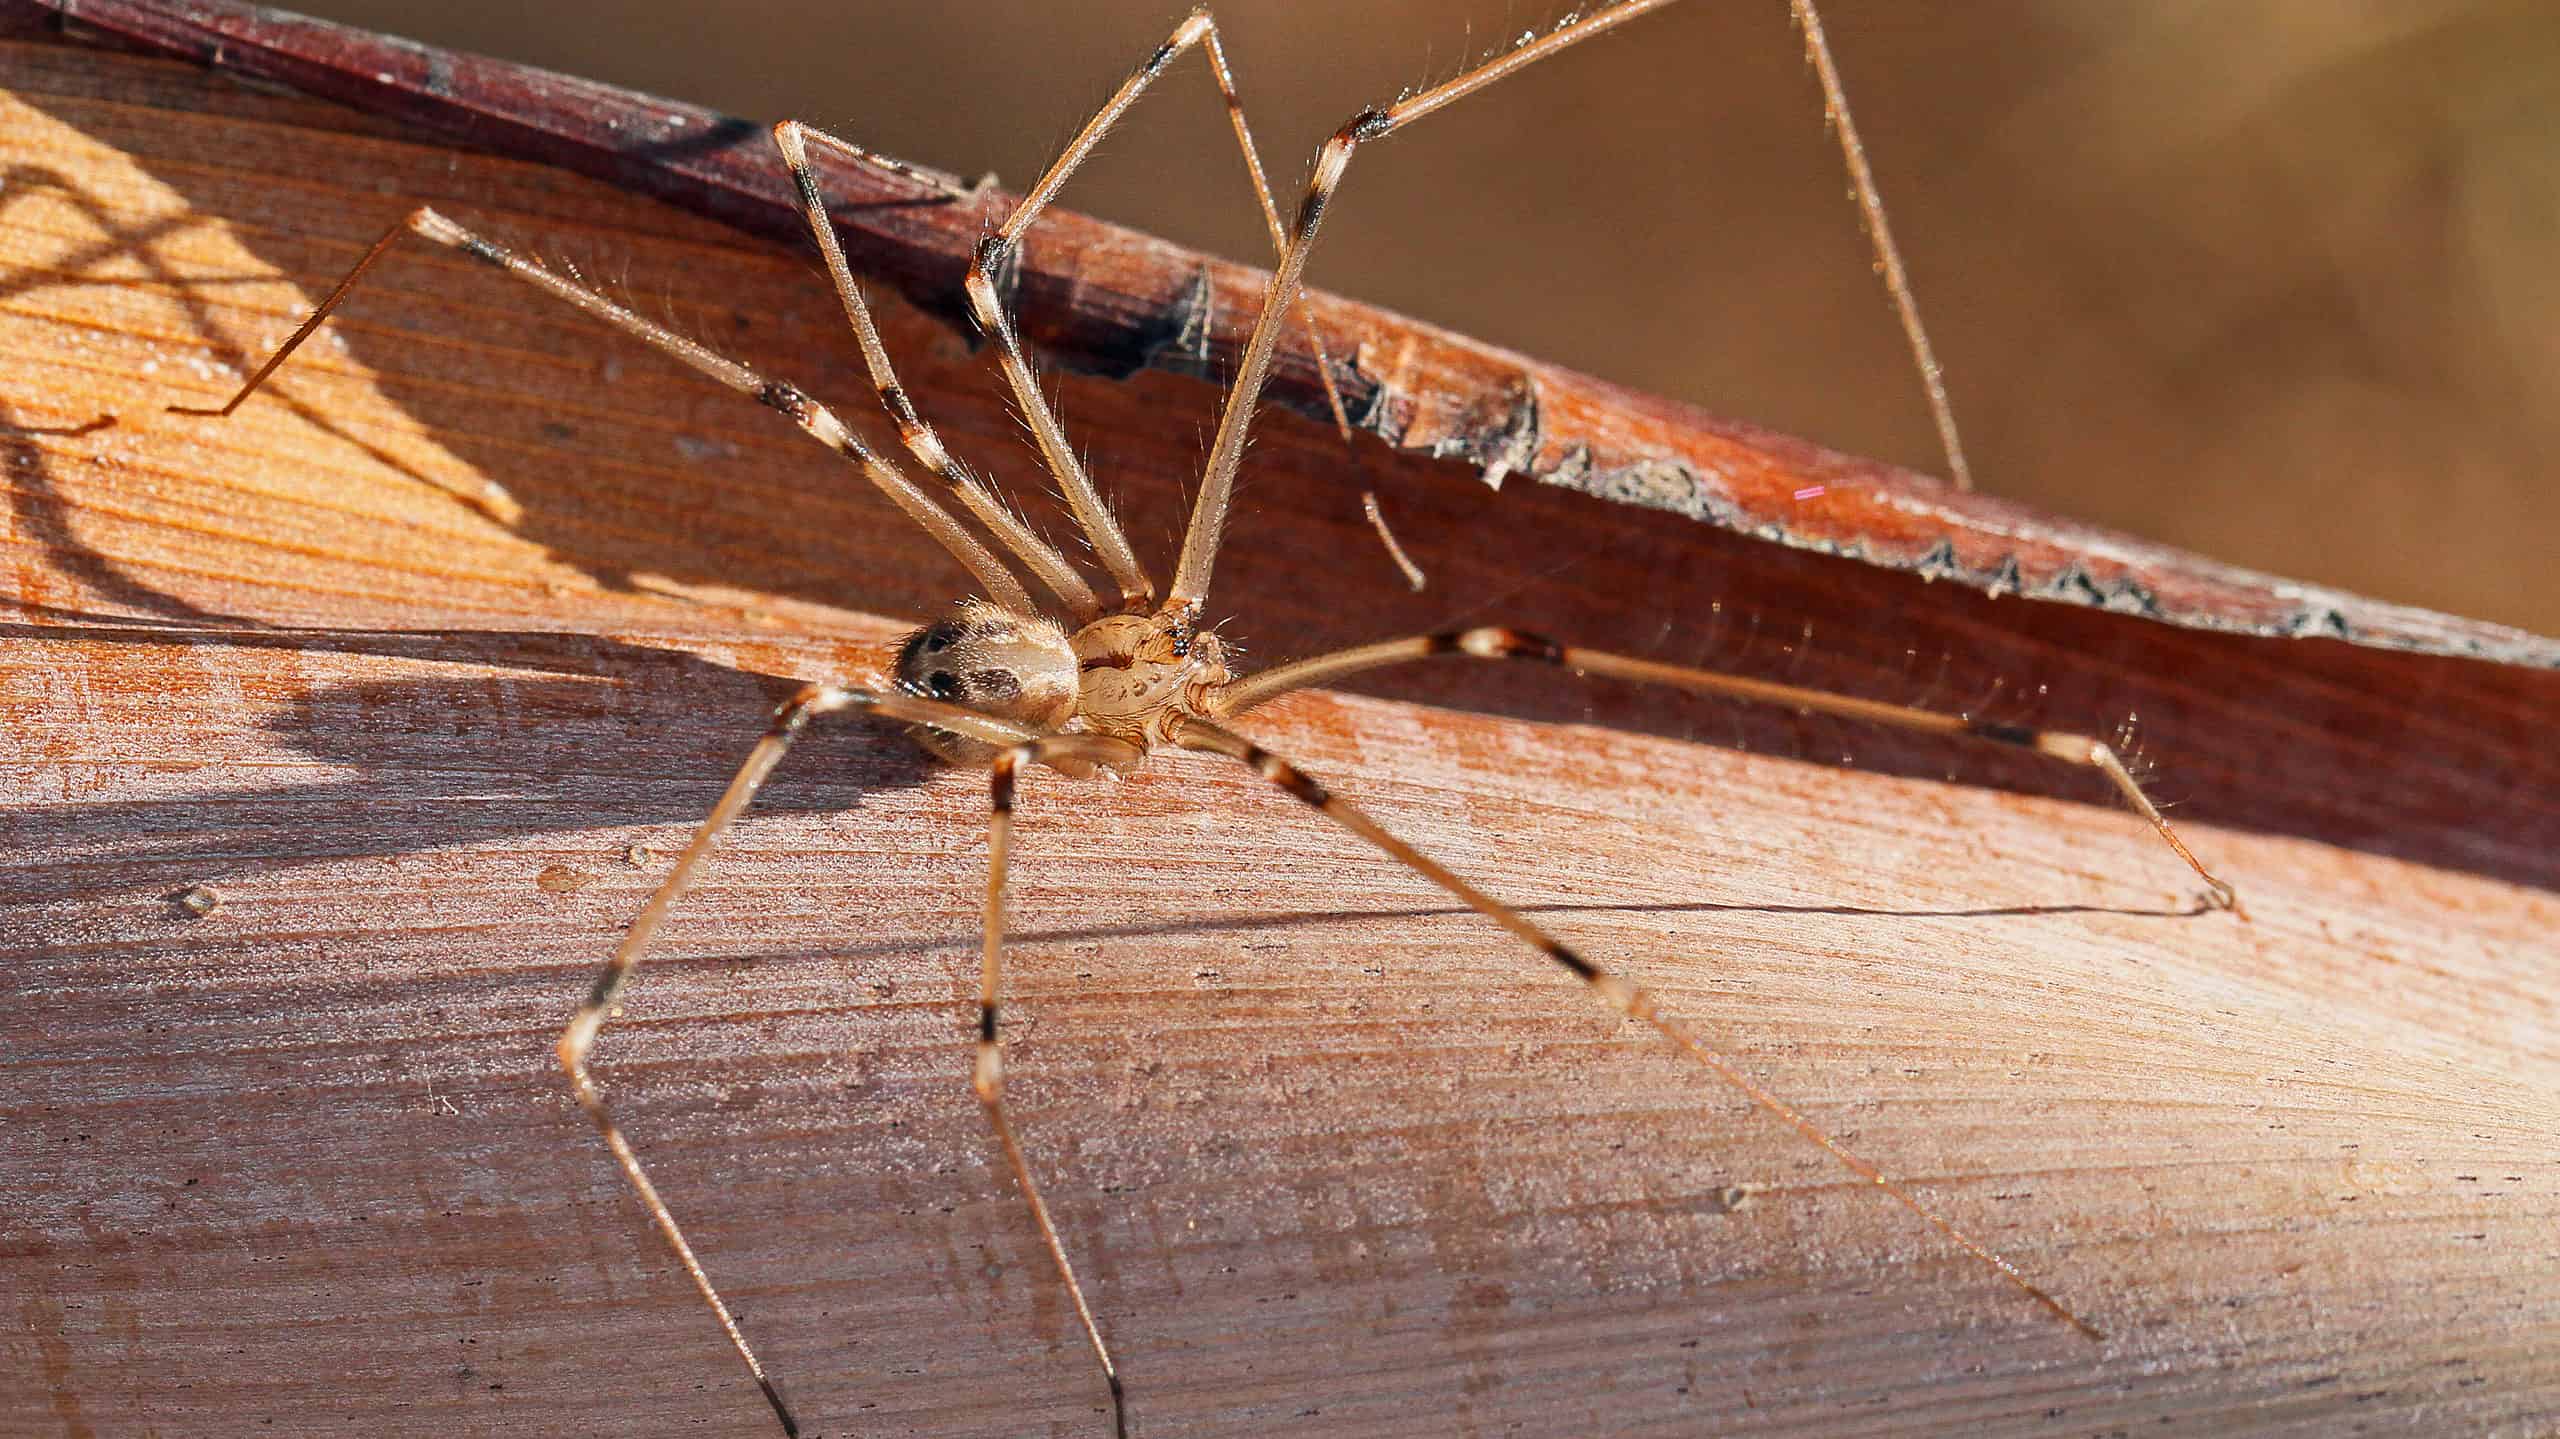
pixel 1286 775
pixel 781 1411
pixel 487 252
pixel 807 185
pixel 2019 735
pixel 1583 969
pixel 786 397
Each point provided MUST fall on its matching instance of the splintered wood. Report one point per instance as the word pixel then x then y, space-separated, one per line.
pixel 419 674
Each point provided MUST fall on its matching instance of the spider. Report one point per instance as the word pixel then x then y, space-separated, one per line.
pixel 1085 684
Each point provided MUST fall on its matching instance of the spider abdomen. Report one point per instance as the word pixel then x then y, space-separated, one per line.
pixel 989 659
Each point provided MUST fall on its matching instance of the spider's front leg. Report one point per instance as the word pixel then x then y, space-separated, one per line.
pixel 1492 642
pixel 793 403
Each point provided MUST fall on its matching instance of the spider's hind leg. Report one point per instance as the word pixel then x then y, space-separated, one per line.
pixel 1616 992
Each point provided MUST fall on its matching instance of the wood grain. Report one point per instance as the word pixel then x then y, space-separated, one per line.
pixel 423 664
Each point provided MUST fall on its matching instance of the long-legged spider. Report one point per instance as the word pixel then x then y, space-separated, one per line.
pixel 1087 685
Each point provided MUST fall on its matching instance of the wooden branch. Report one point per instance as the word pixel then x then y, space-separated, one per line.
pixel 415 672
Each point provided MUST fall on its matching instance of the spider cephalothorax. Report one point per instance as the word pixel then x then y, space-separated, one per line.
pixel 1144 673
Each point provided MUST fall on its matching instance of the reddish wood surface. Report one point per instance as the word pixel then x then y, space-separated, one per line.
pixel 1109 300
pixel 401 663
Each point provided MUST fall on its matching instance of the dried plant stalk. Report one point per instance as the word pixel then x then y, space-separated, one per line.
pixel 418 673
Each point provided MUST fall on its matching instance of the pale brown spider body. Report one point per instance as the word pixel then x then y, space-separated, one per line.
pixel 998 684
pixel 1129 677
pixel 1146 674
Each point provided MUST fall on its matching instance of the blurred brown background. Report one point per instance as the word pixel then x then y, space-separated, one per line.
pixel 2274 282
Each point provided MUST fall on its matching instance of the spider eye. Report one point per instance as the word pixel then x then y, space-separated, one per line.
pixel 942 685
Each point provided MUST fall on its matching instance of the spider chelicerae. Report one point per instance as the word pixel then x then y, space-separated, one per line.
pixel 1086 684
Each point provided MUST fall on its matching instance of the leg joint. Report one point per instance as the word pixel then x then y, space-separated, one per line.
pixel 810 700
pixel 425 223
pixel 1286 775
pixel 1369 124
pixel 2010 734
pixel 1492 642
pixel 787 398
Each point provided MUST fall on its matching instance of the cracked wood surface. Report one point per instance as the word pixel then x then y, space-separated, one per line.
pixel 422 665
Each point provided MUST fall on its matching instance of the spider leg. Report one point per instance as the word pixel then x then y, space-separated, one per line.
pixel 987 1077
pixel 1288 278
pixel 1217 54
pixel 1199 28
pixel 1613 991
pixel 821 423
pixel 1495 643
pixel 788 720
pixel 792 138
pixel 1897 280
